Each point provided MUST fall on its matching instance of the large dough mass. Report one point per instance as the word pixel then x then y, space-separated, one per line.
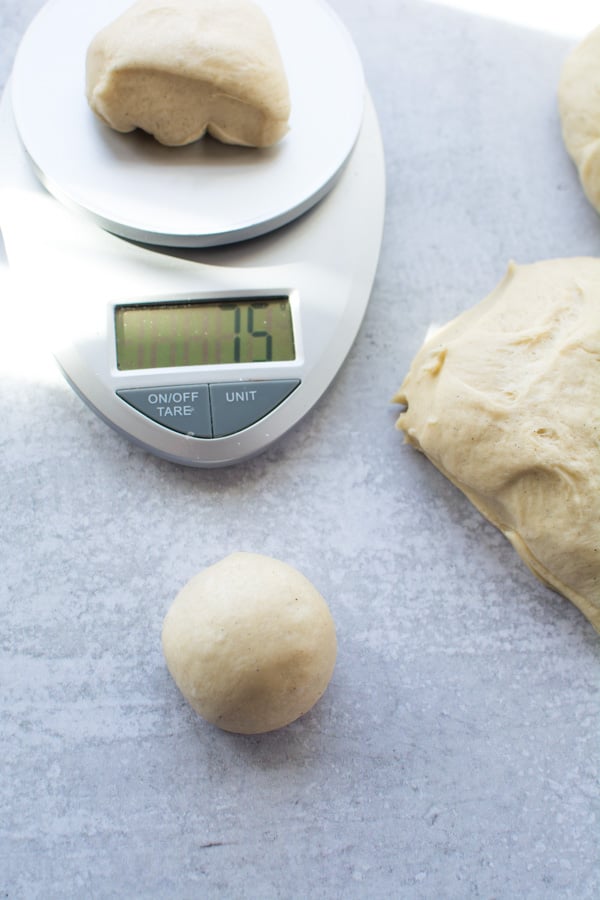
pixel 505 401
pixel 179 68
pixel 579 105
pixel 250 643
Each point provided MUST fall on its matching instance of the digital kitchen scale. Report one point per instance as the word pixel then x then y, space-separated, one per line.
pixel 199 299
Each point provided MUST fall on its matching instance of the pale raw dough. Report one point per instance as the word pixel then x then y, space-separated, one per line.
pixel 505 401
pixel 179 68
pixel 579 105
pixel 250 643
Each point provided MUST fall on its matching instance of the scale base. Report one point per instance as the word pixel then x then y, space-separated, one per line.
pixel 70 274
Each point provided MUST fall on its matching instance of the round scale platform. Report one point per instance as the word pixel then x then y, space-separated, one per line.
pixel 206 193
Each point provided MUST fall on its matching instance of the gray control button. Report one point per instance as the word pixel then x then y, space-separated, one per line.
pixel 184 407
pixel 239 404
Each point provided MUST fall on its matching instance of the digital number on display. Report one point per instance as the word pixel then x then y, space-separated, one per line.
pixel 156 336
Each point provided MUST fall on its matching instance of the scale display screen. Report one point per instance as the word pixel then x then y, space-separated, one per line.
pixel 204 333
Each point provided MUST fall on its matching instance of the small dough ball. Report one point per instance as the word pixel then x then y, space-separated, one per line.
pixel 250 643
pixel 179 68
pixel 579 106
pixel 504 400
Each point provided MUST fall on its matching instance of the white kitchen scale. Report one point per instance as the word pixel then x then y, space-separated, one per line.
pixel 199 299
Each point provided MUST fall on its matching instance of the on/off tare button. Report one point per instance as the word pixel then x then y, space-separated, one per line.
pixel 239 404
pixel 184 408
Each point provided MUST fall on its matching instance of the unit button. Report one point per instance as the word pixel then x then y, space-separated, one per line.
pixel 184 408
pixel 240 404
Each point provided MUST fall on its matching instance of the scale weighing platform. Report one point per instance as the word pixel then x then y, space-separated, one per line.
pixel 199 299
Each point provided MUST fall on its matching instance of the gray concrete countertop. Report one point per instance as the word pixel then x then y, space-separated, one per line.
pixel 455 753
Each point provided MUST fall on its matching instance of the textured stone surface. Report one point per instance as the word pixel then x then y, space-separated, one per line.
pixel 455 753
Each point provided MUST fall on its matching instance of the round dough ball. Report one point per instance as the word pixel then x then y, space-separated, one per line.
pixel 250 643
pixel 579 105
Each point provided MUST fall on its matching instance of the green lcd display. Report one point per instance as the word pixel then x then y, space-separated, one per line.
pixel 201 333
